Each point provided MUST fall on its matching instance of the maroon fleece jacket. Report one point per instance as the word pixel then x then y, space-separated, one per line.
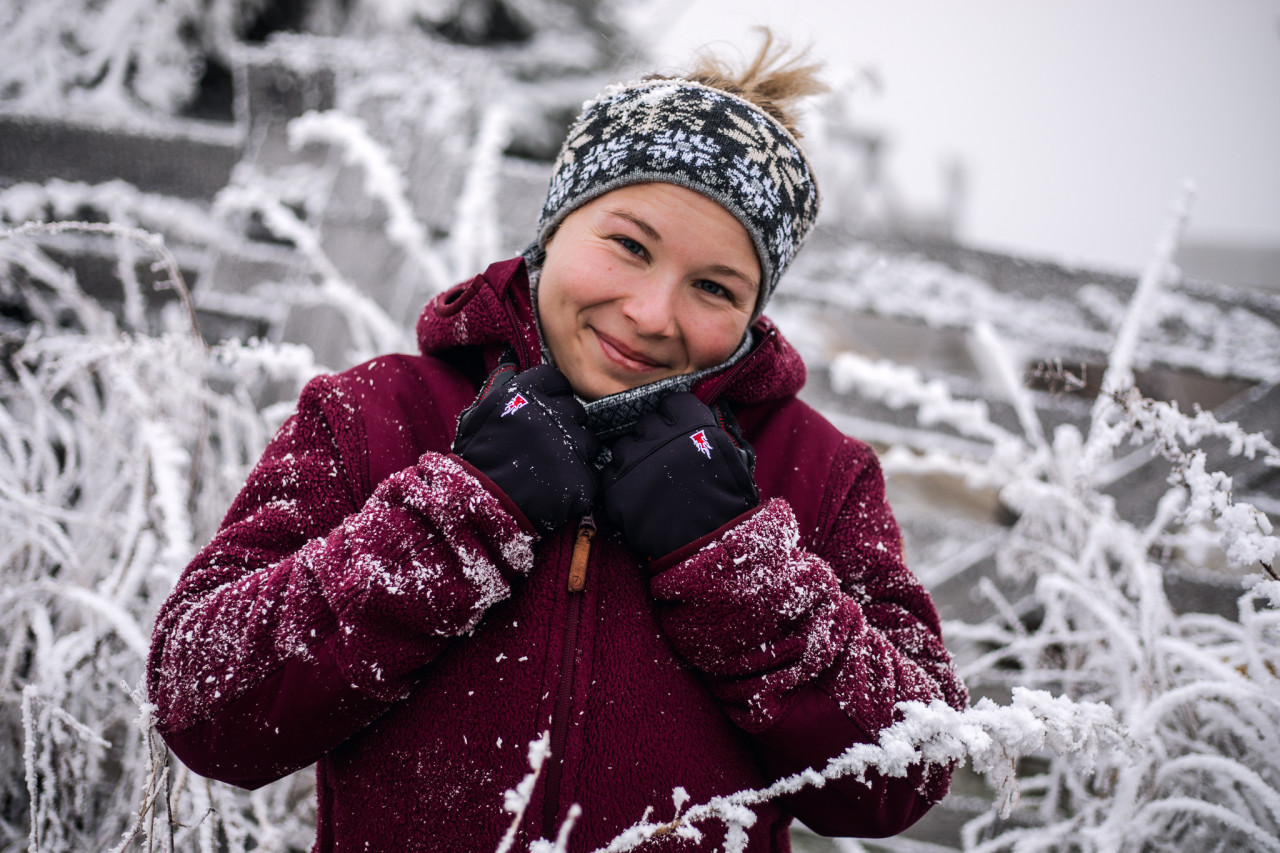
pixel 373 604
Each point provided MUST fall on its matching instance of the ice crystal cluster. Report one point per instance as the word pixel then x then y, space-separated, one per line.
pixel 1111 721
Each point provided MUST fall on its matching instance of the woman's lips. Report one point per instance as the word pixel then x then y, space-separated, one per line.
pixel 624 356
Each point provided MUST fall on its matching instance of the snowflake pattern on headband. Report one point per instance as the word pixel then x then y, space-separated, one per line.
pixel 710 141
pixel 694 149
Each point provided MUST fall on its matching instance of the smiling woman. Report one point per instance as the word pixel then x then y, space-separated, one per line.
pixel 649 281
pixel 591 506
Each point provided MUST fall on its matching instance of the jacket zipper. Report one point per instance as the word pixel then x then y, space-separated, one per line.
pixel 518 329
pixel 568 660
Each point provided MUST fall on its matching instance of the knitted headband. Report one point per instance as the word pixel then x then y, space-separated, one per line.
pixel 704 139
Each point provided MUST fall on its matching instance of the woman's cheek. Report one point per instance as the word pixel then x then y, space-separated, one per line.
pixel 712 341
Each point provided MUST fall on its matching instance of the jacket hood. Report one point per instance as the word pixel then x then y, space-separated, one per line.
pixel 494 311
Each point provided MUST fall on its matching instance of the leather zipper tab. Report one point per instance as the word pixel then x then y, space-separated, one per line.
pixel 581 553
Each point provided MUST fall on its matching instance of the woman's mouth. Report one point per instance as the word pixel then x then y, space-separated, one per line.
pixel 620 354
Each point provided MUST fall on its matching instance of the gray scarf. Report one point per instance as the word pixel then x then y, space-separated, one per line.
pixel 615 414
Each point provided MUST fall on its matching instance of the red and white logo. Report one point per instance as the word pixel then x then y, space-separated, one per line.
pixel 700 441
pixel 515 404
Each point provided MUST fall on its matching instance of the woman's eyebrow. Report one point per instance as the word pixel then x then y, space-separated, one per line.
pixel 652 234
pixel 649 230
pixel 722 269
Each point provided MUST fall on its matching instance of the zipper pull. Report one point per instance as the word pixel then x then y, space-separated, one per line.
pixel 581 553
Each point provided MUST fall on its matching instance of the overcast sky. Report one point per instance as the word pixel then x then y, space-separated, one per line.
pixel 1076 120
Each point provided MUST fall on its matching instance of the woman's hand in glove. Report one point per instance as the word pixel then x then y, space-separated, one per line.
pixel 525 432
pixel 677 476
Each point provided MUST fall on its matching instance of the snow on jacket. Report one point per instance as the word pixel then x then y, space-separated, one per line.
pixel 375 605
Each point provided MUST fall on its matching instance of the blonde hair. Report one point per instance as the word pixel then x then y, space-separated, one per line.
pixel 773 80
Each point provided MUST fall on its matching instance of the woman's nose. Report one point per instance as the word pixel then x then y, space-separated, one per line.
pixel 652 309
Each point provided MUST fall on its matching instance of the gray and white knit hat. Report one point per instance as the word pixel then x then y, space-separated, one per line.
pixel 681 132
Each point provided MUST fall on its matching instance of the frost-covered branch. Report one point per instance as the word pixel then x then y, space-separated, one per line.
pixel 517 799
pixel 1246 533
pixel 116 57
pixel 372 329
pixel 991 737
pixel 1119 374
pixel 1088 611
pixel 155 242
pixel 900 386
pixel 474 237
pixel 383 181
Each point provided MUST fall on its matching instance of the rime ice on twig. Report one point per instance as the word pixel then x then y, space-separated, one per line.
pixel 991 737
pixel 155 242
pixel 1119 373
pixel 516 799
pixel 373 330
pixel 383 181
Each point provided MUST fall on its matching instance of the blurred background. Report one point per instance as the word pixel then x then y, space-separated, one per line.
pixel 1056 129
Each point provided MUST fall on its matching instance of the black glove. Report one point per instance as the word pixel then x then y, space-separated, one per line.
pixel 525 432
pixel 677 476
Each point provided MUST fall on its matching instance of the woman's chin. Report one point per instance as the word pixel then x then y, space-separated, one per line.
pixel 595 390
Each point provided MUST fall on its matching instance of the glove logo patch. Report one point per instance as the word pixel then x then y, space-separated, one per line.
pixel 700 441
pixel 515 404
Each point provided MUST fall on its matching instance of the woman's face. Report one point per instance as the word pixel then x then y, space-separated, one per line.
pixel 645 282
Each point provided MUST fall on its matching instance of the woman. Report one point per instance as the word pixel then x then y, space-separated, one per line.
pixel 591 506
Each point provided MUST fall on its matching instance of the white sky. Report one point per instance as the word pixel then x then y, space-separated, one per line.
pixel 1076 120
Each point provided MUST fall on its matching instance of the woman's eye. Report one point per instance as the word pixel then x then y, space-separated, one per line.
pixel 630 245
pixel 713 288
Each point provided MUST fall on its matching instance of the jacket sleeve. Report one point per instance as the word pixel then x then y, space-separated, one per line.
pixel 809 647
pixel 310 610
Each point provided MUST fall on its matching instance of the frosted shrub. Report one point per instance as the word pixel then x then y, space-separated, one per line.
pixel 123 439
pixel 416 146
pixel 122 60
pixel 1198 694
pixel 119 452
pixel 111 57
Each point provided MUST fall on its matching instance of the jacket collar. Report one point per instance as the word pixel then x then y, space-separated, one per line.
pixel 494 311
